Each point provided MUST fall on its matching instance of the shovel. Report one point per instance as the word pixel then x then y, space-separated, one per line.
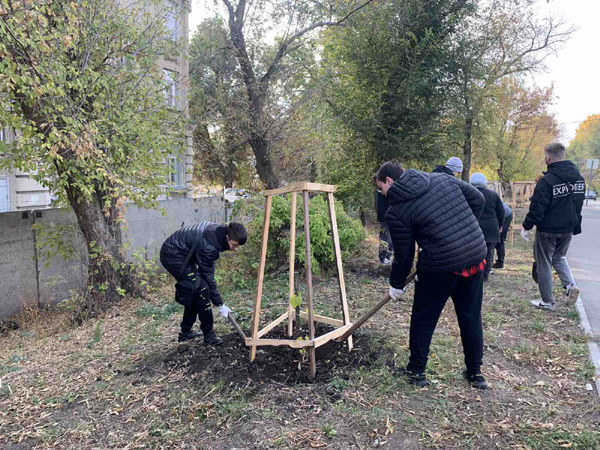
pixel 237 327
pixel 363 318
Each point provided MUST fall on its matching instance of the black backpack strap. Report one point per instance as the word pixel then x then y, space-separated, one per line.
pixel 188 257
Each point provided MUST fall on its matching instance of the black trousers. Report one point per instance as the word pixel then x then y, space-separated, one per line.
pixel 200 306
pixel 489 258
pixel 431 293
pixel 501 246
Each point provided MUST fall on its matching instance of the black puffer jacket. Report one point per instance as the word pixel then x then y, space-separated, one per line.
pixel 443 169
pixel 492 216
pixel 557 200
pixel 439 213
pixel 176 248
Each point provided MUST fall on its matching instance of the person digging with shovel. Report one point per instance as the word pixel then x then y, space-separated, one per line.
pixel 189 255
pixel 439 213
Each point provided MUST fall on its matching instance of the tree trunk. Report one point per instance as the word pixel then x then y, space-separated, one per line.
pixel 107 271
pixel 467 147
pixel 260 146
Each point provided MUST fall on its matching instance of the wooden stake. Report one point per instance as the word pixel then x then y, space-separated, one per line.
pixel 514 208
pixel 292 258
pixel 338 263
pixel 311 323
pixel 261 276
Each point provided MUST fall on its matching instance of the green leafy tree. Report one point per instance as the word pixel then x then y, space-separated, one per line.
pixel 586 143
pixel 80 84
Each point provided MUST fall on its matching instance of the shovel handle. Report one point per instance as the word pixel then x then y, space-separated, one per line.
pixel 372 311
pixel 237 327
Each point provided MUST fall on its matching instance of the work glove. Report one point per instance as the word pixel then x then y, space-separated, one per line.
pixel 525 234
pixel 395 294
pixel 224 311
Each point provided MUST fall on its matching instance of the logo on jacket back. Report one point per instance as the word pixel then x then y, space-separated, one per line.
pixel 564 189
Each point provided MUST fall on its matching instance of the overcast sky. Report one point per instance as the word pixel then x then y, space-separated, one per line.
pixel 575 70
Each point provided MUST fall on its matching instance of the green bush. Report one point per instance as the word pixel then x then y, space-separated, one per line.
pixel 351 232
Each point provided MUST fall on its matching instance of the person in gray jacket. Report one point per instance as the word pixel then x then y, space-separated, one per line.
pixel 501 246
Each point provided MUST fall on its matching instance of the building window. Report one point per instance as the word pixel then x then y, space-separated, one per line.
pixel 174 170
pixel 171 88
pixel 2 134
pixel 4 205
pixel 172 20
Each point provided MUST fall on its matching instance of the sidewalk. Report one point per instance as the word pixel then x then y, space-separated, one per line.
pixel 584 259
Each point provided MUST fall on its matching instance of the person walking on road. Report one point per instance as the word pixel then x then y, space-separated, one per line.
pixel 439 213
pixel 555 211
pixel 501 246
pixel 490 220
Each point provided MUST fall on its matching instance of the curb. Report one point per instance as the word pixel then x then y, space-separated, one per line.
pixel 592 345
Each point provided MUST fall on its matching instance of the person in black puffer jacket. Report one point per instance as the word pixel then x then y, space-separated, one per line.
pixel 439 213
pixel 490 220
pixel 189 255
pixel 555 210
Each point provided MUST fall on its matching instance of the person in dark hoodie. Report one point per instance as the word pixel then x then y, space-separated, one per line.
pixel 490 220
pixel 386 248
pixel 453 167
pixel 501 246
pixel 439 213
pixel 555 211
pixel 189 255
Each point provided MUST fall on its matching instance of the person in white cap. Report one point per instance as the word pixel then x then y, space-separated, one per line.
pixel 453 167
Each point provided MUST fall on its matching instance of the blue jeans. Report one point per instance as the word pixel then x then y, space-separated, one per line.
pixel 550 250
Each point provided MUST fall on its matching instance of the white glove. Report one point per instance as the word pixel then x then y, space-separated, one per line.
pixel 525 234
pixel 224 311
pixel 395 294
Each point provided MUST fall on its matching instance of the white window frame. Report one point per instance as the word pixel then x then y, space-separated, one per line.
pixel 7 195
pixel 172 20
pixel 171 79
pixel 174 164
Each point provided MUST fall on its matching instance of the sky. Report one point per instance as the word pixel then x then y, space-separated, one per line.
pixel 574 70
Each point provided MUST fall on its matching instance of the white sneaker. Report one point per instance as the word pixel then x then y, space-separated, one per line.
pixel 387 262
pixel 541 305
pixel 572 294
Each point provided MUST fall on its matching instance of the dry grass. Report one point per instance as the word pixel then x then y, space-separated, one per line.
pixel 119 381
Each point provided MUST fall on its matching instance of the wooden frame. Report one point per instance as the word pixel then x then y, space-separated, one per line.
pixel 342 325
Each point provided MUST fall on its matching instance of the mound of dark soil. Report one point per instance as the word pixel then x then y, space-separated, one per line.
pixel 230 362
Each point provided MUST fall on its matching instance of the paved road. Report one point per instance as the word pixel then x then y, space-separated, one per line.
pixel 584 258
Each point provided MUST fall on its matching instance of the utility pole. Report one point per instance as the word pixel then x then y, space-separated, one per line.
pixel 592 164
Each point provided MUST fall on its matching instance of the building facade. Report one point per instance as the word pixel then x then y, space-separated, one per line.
pixel 19 191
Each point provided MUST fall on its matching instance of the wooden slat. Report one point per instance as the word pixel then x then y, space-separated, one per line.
pixel 273 324
pixel 323 319
pixel 331 335
pixel 261 276
pixel 338 264
pixel 309 286
pixel 292 259
pixel 280 342
pixel 302 186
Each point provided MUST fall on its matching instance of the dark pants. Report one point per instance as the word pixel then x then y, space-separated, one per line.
pixel 501 246
pixel 386 247
pixel 489 258
pixel 200 306
pixel 431 292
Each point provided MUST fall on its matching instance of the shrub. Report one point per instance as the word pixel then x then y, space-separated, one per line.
pixel 350 230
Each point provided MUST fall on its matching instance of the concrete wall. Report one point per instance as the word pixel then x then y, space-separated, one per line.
pixel 29 278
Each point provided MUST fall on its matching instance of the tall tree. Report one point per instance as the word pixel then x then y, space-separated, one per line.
pixel 385 75
pixel 514 126
pixel 80 84
pixel 499 39
pixel 263 66
pixel 217 107
pixel 586 143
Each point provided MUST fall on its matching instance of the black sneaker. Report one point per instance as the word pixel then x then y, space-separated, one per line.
pixel 498 265
pixel 188 336
pixel 486 277
pixel 211 338
pixel 476 379
pixel 416 378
